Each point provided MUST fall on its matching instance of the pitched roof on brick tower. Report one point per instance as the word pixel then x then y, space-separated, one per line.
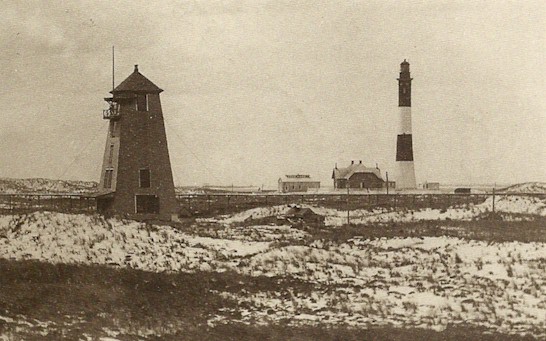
pixel 136 82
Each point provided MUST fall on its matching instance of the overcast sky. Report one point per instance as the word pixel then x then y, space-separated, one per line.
pixel 257 89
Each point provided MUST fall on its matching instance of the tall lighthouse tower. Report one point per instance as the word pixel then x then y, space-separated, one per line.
pixel 405 172
pixel 136 178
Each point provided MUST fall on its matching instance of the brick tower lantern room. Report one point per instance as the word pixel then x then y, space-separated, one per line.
pixel 136 178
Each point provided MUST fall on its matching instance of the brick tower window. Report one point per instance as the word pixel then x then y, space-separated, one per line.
pixel 144 178
pixel 111 155
pixel 108 178
pixel 142 102
pixel 113 128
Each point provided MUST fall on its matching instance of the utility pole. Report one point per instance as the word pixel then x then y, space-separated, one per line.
pixel 348 218
pixel 113 72
pixel 495 185
pixel 387 176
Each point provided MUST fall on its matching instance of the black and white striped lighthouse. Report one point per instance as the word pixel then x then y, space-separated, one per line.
pixel 405 171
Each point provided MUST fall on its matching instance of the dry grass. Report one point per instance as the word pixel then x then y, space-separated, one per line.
pixel 84 300
pixel 490 229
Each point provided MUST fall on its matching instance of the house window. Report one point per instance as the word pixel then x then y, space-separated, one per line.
pixel 147 204
pixel 108 178
pixel 142 102
pixel 144 178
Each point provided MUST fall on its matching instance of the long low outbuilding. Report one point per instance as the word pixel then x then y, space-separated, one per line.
pixel 297 183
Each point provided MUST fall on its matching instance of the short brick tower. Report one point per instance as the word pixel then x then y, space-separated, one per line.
pixel 405 171
pixel 136 178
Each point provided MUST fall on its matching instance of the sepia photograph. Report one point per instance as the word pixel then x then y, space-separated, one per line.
pixel 303 170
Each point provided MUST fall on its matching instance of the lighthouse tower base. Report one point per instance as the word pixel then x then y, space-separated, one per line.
pixel 405 175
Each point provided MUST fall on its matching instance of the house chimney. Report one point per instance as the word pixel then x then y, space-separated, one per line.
pixel 336 165
pixel 352 162
pixel 360 162
pixel 376 166
pixel 136 67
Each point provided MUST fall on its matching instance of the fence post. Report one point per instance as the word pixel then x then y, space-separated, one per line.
pixel 348 216
pixel 493 200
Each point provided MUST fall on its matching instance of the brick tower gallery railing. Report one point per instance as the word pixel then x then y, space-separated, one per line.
pixel 203 205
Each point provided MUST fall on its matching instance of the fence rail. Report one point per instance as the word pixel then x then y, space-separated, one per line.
pixel 211 204
pixel 24 203
pixel 192 205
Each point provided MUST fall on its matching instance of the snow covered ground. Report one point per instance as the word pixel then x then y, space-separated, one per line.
pixel 527 187
pixel 66 238
pixel 428 282
pixel 255 213
pixel 503 204
pixel 523 205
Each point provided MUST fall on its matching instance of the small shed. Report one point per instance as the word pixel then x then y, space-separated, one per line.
pixel 299 216
pixel 462 190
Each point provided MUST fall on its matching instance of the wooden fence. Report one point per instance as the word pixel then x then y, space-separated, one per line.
pixel 213 204
pixel 25 203
pixel 195 205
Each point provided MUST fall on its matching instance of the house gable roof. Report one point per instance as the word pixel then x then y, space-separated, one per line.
pixel 346 173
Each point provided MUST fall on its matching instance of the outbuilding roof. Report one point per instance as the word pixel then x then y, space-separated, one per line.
pixel 136 82
pixel 297 178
